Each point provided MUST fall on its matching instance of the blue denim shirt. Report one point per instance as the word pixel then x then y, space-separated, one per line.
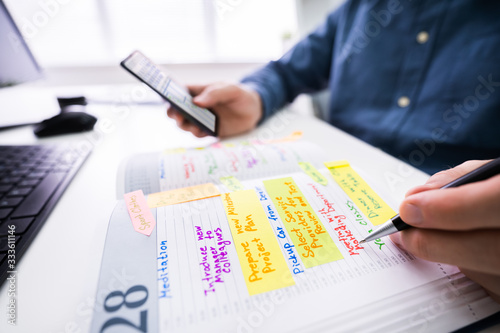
pixel 418 79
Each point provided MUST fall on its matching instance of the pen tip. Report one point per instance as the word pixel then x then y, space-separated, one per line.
pixel 363 241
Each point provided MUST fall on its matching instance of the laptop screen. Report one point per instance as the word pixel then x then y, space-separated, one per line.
pixel 17 64
pixel 26 103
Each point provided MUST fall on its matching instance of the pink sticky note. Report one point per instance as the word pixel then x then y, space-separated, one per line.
pixel 139 212
pixel 217 145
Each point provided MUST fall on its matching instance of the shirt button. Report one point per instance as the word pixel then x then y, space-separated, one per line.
pixel 403 101
pixel 422 37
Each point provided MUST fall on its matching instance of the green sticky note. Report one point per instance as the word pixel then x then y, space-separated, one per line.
pixel 232 183
pixel 313 173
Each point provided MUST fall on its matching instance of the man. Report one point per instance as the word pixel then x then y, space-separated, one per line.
pixel 418 79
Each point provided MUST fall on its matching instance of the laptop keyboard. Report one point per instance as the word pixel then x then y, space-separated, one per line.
pixel 32 179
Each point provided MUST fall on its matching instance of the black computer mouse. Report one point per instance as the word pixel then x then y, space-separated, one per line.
pixel 64 123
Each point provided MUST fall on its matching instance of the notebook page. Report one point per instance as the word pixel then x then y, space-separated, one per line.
pixel 443 305
pixel 203 280
pixel 176 168
pixel 199 296
pixel 181 168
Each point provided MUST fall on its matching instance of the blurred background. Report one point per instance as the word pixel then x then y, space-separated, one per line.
pixel 97 33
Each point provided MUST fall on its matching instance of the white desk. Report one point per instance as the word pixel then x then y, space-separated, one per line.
pixel 57 276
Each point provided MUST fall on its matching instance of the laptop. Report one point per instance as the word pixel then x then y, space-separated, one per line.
pixel 32 178
pixel 21 99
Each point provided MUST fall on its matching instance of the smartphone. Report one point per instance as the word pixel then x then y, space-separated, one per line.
pixel 149 73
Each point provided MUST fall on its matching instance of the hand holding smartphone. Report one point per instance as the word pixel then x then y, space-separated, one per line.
pixel 146 71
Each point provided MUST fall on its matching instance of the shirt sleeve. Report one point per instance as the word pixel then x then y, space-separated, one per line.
pixel 303 69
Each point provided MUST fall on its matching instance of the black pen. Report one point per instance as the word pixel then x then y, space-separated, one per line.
pixel 396 224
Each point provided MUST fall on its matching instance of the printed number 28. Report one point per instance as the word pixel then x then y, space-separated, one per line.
pixel 143 324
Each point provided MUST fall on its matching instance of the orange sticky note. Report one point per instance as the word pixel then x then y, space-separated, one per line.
pixel 142 218
pixel 292 137
pixel 181 195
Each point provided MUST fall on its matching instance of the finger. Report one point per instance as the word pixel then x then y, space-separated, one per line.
pixel 470 206
pixel 477 250
pixel 184 124
pixel 172 113
pixel 216 94
pixel 196 89
pixel 418 189
pixel 179 119
pixel 489 282
pixel 444 177
pixel 188 127
pixel 195 130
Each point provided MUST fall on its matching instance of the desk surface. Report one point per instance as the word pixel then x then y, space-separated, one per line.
pixel 57 276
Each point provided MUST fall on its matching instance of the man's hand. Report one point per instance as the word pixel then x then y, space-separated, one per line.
pixel 458 226
pixel 238 107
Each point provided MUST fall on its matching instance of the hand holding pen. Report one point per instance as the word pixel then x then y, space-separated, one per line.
pixel 458 226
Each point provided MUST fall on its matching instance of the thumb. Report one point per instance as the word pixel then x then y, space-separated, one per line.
pixel 196 89
pixel 216 94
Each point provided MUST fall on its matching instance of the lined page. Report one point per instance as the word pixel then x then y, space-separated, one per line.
pixel 377 280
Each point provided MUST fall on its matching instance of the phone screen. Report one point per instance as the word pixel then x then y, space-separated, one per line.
pixel 146 71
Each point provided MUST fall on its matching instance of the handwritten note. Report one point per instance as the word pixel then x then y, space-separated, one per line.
pixel 181 195
pixel 142 218
pixel 232 183
pixel 261 259
pixel 214 264
pixel 360 192
pixel 306 230
pixel 337 221
pixel 288 248
pixel 164 287
pixel 311 171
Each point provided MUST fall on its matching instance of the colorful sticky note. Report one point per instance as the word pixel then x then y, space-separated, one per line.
pixel 232 183
pixel 313 173
pixel 174 151
pixel 360 192
pixel 306 230
pixel 261 259
pixel 142 218
pixel 181 195
pixel 217 145
pixel 290 138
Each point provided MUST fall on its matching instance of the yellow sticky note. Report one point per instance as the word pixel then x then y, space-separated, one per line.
pixel 313 173
pixel 337 164
pixel 307 232
pixel 360 192
pixel 181 195
pixel 174 151
pixel 232 183
pixel 261 259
